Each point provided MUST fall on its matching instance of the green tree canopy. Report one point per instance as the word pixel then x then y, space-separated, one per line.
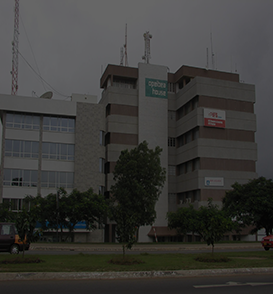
pixel 139 179
pixel 251 204
pixel 212 223
pixel 183 220
pixel 6 215
pixel 208 221
pixel 64 211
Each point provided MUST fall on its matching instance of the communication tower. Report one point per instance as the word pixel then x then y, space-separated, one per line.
pixel 123 54
pixel 147 52
pixel 15 47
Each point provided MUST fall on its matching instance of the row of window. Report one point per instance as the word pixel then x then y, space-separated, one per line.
pixel 32 122
pixel 30 149
pixel 188 197
pixel 25 149
pixel 184 139
pixel 17 204
pixel 29 178
pixel 187 108
pixel 58 151
pixel 184 168
pixel 188 137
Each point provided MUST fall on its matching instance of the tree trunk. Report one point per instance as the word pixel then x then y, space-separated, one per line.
pixel 123 250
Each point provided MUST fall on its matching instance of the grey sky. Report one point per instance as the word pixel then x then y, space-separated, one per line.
pixel 74 40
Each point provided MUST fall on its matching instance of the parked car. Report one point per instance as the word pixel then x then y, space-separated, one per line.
pixel 10 240
pixel 267 242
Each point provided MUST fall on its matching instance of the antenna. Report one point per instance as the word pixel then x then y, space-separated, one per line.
pixel 212 53
pixel 125 47
pixel 124 53
pixel 15 46
pixel 147 51
pixel 207 65
pixel 121 56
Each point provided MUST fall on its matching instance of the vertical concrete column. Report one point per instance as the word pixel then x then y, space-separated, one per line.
pixel 2 155
pixel 153 127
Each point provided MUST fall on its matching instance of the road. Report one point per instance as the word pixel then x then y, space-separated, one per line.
pixel 243 284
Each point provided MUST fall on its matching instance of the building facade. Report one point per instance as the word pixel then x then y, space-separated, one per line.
pixel 203 120
pixel 47 144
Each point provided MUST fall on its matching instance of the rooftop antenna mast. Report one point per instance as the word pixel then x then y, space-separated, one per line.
pixel 123 54
pixel 15 47
pixel 212 53
pixel 147 51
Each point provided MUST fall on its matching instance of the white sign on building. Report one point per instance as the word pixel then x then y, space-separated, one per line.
pixel 214 182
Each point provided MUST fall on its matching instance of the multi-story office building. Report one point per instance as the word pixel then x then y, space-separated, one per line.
pixel 202 119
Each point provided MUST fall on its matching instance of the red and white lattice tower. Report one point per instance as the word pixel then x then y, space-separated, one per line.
pixel 15 47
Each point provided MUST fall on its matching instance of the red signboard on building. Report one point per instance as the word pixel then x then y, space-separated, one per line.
pixel 214 118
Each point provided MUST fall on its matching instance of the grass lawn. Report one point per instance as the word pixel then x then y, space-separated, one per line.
pixel 150 262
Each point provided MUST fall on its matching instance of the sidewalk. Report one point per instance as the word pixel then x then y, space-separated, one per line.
pixel 115 247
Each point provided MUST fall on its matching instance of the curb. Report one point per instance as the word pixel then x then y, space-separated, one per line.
pixel 129 275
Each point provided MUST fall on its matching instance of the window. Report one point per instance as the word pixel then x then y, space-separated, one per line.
pixel 17 177
pixel 17 204
pixel 101 165
pixel 181 169
pixel 102 138
pixel 22 121
pixel 58 151
pixel 58 124
pixel 196 163
pixel 171 142
pixel 171 87
pixel 172 170
pixel 55 179
pixel 101 190
pixel 25 149
pixel 171 114
pixel 124 83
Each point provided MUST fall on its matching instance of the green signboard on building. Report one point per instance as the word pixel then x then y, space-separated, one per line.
pixel 156 88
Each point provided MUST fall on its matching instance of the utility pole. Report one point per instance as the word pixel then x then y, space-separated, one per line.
pixel 15 48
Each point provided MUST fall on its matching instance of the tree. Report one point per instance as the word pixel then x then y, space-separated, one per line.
pixel 25 223
pixel 139 179
pixel 6 215
pixel 183 220
pixel 208 221
pixel 64 211
pixel 83 206
pixel 251 204
pixel 212 223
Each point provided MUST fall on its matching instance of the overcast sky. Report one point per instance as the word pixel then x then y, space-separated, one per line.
pixel 70 42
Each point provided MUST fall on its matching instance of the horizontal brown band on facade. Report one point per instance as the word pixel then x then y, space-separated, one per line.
pixel 225 104
pixel 122 139
pixel 226 134
pixel 189 71
pixel 227 164
pixel 119 109
pixel 215 194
